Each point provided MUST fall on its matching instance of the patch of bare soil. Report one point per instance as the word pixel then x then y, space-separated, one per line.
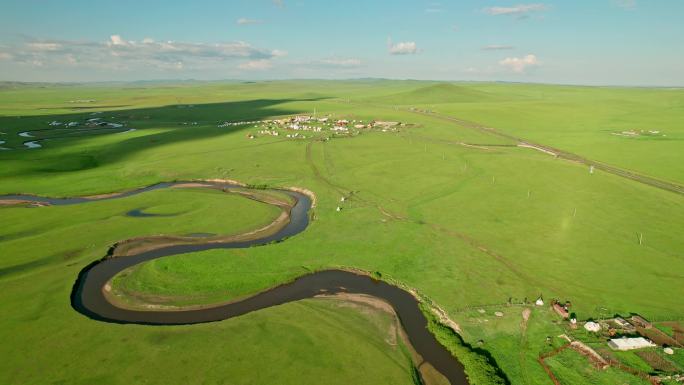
pixel 264 197
pixel 538 148
pixel 470 145
pixel 525 317
pixel 306 192
pixel 190 185
pixel 363 299
pixel 20 202
pixel 228 181
pixel 444 318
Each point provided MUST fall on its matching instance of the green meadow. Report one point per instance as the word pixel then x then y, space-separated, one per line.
pixel 465 217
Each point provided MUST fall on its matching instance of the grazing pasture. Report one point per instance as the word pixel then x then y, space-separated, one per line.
pixel 464 216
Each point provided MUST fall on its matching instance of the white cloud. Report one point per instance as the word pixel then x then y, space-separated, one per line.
pixel 520 10
pixel 256 65
pixel 433 10
pixel 403 48
pixel 519 65
pixel 497 47
pixel 246 21
pixel 278 53
pixel 119 54
pixel 278 3
pixel 44 46
pixel 338 62
pixel 626 4
pixel 117 40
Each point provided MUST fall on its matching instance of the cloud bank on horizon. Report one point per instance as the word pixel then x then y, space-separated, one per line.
pixel 550 41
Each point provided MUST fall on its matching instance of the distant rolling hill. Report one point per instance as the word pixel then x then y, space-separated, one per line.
pixel 439 93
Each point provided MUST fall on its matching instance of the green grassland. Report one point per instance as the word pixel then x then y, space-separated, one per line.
pixel 465 226
pixel 581 120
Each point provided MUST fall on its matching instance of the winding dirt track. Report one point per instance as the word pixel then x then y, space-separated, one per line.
pixel 90 299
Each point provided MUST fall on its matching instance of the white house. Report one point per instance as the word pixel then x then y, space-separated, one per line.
pixel 630 343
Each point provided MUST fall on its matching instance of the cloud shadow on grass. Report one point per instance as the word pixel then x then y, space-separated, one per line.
pixel 67 154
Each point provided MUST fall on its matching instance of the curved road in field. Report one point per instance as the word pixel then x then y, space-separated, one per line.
pixel 88 295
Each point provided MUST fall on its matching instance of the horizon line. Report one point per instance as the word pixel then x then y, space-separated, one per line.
pixel 170 80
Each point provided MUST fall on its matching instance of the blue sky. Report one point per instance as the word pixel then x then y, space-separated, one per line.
pixel 619 42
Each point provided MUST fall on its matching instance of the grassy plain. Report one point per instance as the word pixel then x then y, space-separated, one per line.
pixel 589 121
pixel 466 226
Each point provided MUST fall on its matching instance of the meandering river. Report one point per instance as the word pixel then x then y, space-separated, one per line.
pixel 89 299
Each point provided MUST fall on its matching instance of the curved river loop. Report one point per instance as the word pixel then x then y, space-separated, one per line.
pixel 90 299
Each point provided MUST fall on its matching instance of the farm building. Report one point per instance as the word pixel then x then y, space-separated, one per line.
pixel 592 326
pixel 630 343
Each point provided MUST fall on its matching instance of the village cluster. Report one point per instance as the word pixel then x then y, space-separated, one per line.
pixel 632 333
pixel 621 334
pixel 305 126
